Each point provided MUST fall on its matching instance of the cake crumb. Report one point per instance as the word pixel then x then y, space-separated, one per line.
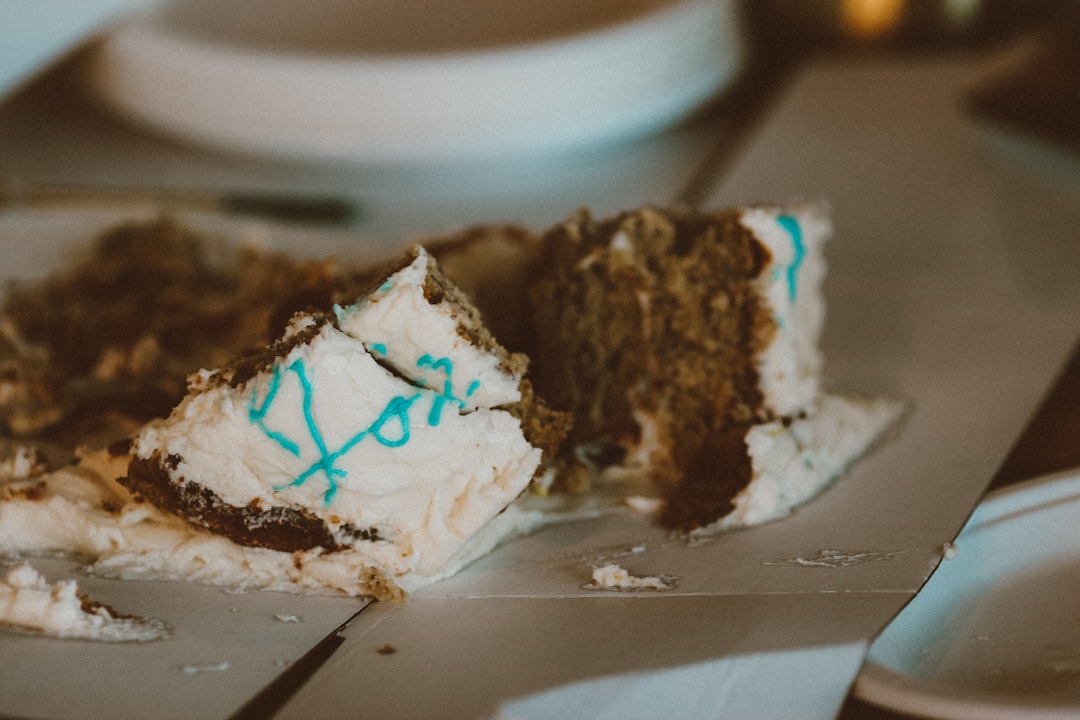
pixel 31 604
pixel 194 669
pixel 386 649
pixel 643 505
pixel 949 551
pixel 614 577
pixel 287 617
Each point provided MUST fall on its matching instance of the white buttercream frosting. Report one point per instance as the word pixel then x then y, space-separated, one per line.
pixel 614 577
pixel 790 367
pixel 83 510
pixel 336 434
pixel 424 342
pixel 794 462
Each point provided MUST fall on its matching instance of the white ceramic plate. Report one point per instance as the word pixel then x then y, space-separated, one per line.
pixel 995 633
pixel 415 80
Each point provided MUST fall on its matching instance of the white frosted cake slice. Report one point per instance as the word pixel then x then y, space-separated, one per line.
pixel 426 331
pixel 388 432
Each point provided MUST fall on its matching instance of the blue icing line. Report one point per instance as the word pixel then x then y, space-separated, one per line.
pixel 396 410
pixel 313 427
pixel 257 415
pixel 435 414
pixel 444 364
pixel 791 224
pixel 379 348
pixel 447 366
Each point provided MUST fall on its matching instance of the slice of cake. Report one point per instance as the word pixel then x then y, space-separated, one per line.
pixel 672 335
pixel 392 430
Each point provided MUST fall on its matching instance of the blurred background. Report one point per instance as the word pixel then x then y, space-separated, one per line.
pixel 412 117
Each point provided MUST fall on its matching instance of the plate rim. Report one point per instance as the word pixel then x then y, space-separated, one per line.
pixel 881 685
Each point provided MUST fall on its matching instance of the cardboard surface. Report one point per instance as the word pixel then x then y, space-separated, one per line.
pixel 463 658
pixel 953 285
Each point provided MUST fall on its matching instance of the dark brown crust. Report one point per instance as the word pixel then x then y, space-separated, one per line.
pixel 439 289
pixel 277 528
pixel 544 427
pixel 242 369
pixel 665 321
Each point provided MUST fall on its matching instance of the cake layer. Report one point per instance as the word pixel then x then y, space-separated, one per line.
pixel 420 324
pixel 82 509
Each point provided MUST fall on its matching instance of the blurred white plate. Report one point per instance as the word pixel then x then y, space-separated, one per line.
pixel 415 80
pixel 996 631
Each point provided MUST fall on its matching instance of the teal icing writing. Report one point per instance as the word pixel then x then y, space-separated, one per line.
pixel 444 364
pixel 791 224
pixel 257 415
pixel 447 366
pixel 396 413
pixel 378 348
pixel 390 429
pixel 397 409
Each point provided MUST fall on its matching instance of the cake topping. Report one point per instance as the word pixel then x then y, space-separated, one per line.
pixel 791 224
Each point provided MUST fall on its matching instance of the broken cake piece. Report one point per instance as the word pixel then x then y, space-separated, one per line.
pixel 684 343
pixel 390 429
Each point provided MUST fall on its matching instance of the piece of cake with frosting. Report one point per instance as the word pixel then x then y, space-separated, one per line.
pixel 391 430
pixel 379 444
pixel 675 336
